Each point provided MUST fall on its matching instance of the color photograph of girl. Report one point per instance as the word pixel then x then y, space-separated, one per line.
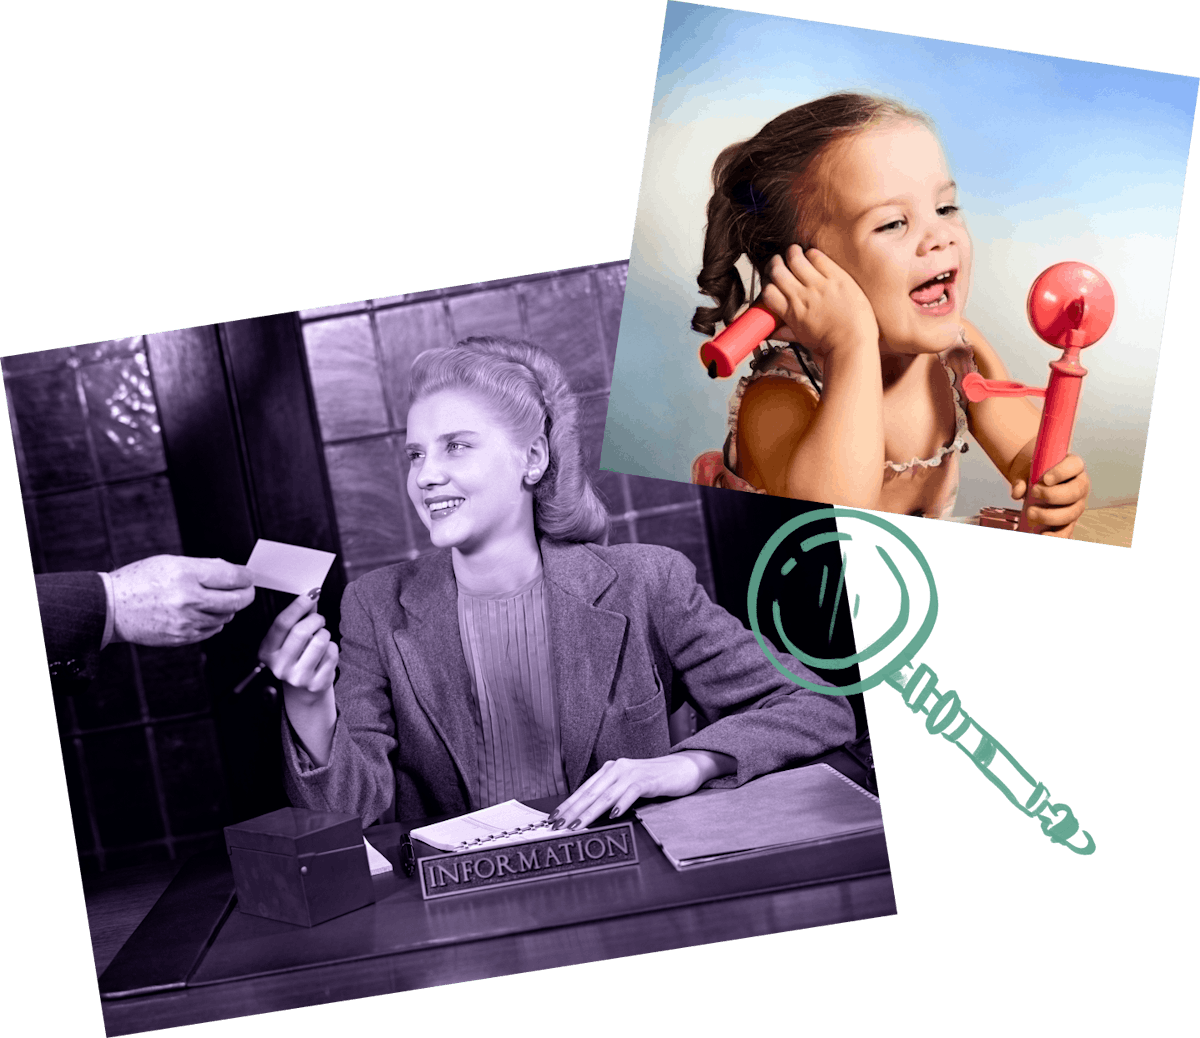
pixel 890 200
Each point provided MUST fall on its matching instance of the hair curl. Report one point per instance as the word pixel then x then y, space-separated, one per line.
pixel 766 192
pixel 531 394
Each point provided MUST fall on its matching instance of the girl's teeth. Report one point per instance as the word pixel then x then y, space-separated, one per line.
pixel 937 302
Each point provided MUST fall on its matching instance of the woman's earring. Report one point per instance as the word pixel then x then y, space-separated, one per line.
pixel 534 476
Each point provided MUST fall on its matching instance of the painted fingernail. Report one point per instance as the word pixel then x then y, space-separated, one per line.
pixel 575 824
pixel 315 593
pixel 556 824
pixel 613 813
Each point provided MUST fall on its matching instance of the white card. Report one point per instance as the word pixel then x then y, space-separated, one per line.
pixel 288 567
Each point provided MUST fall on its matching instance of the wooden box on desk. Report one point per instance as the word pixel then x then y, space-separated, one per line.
pixel 300 866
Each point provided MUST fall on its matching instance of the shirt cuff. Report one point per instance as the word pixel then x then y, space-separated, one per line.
pixel 110 611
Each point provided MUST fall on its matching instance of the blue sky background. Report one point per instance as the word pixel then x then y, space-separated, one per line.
pixel 1055 160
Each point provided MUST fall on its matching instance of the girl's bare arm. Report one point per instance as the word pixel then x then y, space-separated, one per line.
pixel 796 447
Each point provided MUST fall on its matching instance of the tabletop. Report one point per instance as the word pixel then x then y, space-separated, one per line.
pixel 195 957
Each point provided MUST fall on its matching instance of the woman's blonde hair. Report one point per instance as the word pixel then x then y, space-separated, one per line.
pixel 531 394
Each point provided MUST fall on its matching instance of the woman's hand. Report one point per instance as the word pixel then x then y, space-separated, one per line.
pixel 299 650
pixel 821 305
pixel 302 655
pixel 1059 498
pixel 620 782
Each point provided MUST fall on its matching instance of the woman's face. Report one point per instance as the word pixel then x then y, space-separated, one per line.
pixel 466 475
pixel 895 228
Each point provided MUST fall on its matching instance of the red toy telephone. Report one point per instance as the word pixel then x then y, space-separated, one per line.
pixel 1070 306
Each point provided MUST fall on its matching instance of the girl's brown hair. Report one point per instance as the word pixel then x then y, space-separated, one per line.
pixel 766 192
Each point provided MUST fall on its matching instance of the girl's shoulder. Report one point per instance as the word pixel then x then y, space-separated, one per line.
pixel 973 352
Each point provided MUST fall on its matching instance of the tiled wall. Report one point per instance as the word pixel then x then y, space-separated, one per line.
pixel 142 764
pixel 359 356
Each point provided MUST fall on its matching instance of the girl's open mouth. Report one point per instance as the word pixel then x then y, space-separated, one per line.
pixel 443 507
pixel 936 296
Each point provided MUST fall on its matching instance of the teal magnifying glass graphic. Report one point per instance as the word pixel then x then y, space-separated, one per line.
pixel 886 586
pixel 895 597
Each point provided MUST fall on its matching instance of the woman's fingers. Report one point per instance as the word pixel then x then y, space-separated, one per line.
pixel 619 783
pixel 589 801
pixel 325 673
pixel 284 622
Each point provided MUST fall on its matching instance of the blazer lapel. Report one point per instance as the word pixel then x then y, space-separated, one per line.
pixel 586 646
pixel 431 648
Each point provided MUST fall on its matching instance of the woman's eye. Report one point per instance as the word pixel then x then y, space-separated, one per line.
pixel 413 455
pixel 455 447
pixel 947 210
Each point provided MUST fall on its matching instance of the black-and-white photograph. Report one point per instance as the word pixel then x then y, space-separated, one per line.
pixel 368 679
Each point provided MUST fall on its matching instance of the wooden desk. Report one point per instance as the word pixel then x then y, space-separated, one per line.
pixel 168 973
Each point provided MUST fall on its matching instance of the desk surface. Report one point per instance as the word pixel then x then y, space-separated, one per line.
pixel 195 957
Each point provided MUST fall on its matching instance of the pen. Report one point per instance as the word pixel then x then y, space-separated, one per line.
pixel 241 685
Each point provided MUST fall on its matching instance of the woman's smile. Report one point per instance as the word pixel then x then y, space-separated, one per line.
pixel 442 507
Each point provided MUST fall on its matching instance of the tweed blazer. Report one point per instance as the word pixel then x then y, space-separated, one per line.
pixel 632 636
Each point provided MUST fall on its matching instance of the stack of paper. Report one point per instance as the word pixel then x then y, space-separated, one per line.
pixel 788 808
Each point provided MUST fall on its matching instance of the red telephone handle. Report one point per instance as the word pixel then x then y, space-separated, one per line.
pixel 978 388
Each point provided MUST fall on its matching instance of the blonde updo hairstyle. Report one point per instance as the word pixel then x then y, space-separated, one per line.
pixel 530 393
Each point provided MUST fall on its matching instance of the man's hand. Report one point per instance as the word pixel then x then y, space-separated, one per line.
pixel 173 600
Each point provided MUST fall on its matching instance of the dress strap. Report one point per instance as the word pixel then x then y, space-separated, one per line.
pixel 956 362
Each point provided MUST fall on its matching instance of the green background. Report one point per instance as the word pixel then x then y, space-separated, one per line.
pixel 165 169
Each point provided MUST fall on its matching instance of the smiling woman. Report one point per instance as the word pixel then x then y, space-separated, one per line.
pixel 525 658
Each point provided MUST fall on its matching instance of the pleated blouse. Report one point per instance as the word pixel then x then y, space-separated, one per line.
pixel 505 639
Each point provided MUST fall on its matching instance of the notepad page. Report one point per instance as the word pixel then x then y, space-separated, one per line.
pixel 451 834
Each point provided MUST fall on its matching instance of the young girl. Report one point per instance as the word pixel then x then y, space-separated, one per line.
pixel 524 659
pixel 861 405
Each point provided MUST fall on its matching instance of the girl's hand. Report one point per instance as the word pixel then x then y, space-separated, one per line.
pixel 619 783
pixel 1060 498
pixel 820 303
pixel 301 652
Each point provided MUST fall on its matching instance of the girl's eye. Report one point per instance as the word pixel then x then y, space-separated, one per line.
pixel 454 446
pixel 947 210
pixel 413 455
pixel 891 226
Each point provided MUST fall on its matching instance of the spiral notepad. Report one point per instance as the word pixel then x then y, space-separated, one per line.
pixel 496 826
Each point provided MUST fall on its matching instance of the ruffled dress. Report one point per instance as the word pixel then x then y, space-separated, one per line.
pixel 792 361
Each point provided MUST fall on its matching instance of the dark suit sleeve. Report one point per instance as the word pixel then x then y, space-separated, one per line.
pixel 359 775
pixel 755 713
pixel 74 609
